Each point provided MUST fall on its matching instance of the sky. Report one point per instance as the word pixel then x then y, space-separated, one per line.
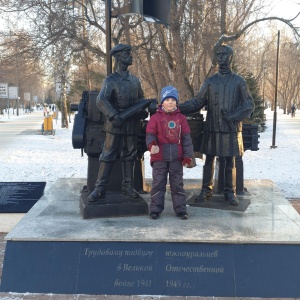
pixel 285 8
pixel 50 157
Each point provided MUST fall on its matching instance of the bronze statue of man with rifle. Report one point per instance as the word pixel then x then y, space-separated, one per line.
pixel 121 101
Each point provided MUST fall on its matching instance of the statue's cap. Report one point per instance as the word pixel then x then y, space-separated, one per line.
pixel 119 48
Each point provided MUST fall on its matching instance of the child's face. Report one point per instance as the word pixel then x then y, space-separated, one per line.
pixel 169 104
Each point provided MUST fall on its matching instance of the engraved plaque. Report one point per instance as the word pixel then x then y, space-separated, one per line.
pixel 19 197
pixel 133 268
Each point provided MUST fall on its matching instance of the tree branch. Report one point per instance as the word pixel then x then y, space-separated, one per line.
pixel 228 38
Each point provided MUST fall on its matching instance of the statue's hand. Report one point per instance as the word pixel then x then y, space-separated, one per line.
pixel 117 121
pixel 143 114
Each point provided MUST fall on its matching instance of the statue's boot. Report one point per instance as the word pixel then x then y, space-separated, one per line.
pixel 99 192
pixel 207 184
pixel 230 187
pixel 127 183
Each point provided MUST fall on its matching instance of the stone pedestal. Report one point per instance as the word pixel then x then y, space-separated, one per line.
pixel 215 253
pixel 218 202
pixel 115 205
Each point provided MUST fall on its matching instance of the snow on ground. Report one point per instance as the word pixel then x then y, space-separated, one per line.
pixel 46 157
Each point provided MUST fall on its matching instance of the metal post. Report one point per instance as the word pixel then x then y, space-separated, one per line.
pixel 18 103
pixel 8 108
pixel 108 36
pixel 276 92
pixel 8 103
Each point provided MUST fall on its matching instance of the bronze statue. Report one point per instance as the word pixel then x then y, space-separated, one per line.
pixel 121 92
pixel 228 102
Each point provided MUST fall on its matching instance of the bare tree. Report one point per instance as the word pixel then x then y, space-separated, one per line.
pixel 19 67
pixel 181 54
pixel 230 38
pixel 289 77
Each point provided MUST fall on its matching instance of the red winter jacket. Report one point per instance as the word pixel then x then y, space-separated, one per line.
pixel 171 132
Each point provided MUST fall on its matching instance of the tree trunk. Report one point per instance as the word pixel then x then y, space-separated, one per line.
pixel 63 99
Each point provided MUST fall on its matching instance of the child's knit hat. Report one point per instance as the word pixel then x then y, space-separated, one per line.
pixel 169 92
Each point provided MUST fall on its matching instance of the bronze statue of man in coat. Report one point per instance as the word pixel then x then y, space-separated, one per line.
pixel 228 101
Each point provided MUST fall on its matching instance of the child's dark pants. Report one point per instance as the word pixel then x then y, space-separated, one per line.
pixel 160 172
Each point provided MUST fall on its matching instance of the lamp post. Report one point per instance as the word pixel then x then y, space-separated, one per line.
pixel 18 103
pixel 108 36
pixel 276 92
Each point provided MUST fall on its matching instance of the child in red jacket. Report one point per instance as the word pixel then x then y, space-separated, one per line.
pixel 169 142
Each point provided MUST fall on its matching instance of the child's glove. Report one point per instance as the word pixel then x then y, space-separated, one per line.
pixel 186 162
pixel 153 148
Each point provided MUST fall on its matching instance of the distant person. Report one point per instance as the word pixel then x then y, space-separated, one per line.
pixel 46 110
pixel 228 102
pixel 169 142
pixel 293 110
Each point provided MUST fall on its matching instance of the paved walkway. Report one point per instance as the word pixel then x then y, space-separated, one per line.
pixel 9 129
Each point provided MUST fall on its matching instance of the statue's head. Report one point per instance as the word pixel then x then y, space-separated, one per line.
pixel 122 53
pixel 225 55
